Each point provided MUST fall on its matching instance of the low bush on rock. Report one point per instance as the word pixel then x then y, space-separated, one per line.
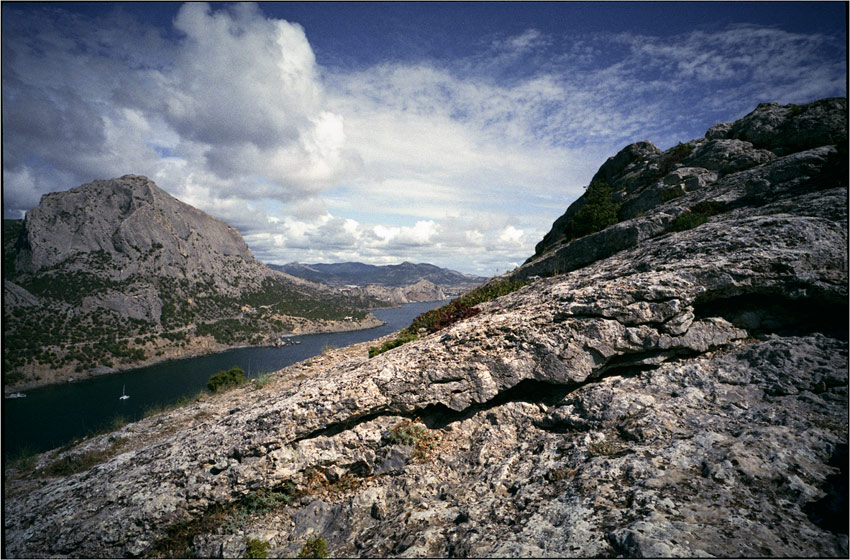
pixel 696 215
pixel 72 464
pixel 224 380
pixel 607 448
pixel 599 212
pixel 687 220
pixel 408 432
pixel 456 310
pixel 673 156
pixel 263 500
pixel 315 547
pixel 263 380
pixel 403 338
pixel 255 548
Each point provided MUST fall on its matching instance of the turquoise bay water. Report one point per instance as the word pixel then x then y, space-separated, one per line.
pixel 52 416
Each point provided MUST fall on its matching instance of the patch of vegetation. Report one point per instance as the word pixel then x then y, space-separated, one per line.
pixel 673 156
pixel 670 194
pixel 696 215
pixel 403 338
pixel 440 318
pixel 408 432
pixel 797 110
pixel 56 335
pixel 607 448
pixel 255 548
pixel 285 299
pixel 72 464
pixel 315 547
pixel 224 380
pixel 263 380
pixel 24 461
pixel 11 232
pixel 687 220
pixel 263 500
pixel 598 212
pixel 179 538
pixel 228 331
pixel 456 310
pixel 560 473
pixel 69 286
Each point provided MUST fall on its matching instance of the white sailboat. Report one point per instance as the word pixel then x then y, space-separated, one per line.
pixel 124 394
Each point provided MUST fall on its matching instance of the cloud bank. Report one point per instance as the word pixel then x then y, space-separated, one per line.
pixel 464 162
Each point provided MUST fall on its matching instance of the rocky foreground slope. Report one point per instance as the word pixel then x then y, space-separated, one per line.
pixel 685 394
pixel 118 273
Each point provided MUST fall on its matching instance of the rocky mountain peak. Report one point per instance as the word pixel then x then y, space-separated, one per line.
pixel 134 224
pixel 780 145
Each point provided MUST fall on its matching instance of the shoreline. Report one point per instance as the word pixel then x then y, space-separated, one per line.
pixel 204 346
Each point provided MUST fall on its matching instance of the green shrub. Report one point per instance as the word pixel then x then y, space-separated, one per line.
pixel 315 547
pixel 263 380
pixel 403 338
pixel 408 432
pixel 673 156
pixel 440 318
pixel 598 212
pixel 256 549
pixel 687 220
pixel 224 380
pixel 263 501
pixel 454 311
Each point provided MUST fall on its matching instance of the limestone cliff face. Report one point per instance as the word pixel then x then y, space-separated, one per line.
pixel 659 391
pixel 139 228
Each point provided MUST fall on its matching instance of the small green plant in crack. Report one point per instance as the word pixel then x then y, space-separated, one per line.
pixel 673 156
pixel 315 547
pixel 607 448
pixel 263 500
pixel 687 220
pixel 263 380
pixel 408 432
pixel 255 548
pixel 561 473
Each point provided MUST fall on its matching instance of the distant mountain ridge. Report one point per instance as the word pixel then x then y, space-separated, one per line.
pixel 396 275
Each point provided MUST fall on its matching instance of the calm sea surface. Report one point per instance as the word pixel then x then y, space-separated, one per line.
pixel 52 416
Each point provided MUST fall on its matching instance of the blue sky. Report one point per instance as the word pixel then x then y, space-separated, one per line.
pixel 451 133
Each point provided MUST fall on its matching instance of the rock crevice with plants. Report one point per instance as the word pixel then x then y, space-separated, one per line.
pixel 648 390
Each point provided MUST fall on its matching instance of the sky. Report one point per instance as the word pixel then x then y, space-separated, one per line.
pixel 448 133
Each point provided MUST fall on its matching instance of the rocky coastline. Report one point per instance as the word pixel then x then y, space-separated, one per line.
pixel 42 375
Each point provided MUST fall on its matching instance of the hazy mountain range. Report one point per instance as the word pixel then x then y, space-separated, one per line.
pixel 397 275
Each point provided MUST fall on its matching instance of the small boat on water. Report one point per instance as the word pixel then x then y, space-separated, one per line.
pixel 124 395
pixel 16 395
